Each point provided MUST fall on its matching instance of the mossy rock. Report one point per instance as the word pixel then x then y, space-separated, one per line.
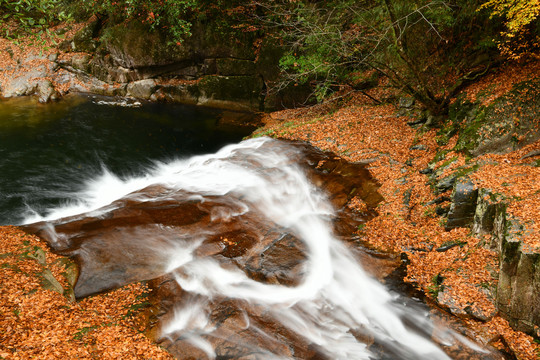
pixel 508 123
pixel 267 62
pixel 210 39
pixel 185 94
pixel 135 45
pixel 242 93
pixel 235 67
pixel 84 40
pixel 488 205
pixel 462 209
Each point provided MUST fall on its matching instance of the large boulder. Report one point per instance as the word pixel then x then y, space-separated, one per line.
pixel 142 89
pixel 29 76
pixel 241 92
pixel 518 289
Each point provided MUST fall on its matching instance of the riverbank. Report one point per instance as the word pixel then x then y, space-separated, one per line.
pixel 210 69
pixel 41 318
pixel 457 269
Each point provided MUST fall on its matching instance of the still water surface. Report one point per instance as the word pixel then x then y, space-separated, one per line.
pixel 48 152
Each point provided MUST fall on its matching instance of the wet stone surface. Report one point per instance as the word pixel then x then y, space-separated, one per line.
pixel 166 233
pixel 132 238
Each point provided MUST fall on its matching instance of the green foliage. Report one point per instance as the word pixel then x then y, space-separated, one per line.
pixel 522 28
pixel 318 53
pixel 421 47
pixel 436 286
pixel 79 335
pixel 31 15
pixel 135 308
pixel 171 15
pixel 141 303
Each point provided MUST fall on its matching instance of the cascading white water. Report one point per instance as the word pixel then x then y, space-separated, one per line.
pixel 335 295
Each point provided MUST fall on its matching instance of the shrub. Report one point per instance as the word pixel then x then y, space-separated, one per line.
pixel 170 15
pixel 29 15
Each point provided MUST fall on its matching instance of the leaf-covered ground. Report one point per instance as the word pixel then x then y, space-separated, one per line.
pixel 38 322
pixel 360 130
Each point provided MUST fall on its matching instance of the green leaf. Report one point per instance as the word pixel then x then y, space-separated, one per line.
pixel 49 282
pixel 37 254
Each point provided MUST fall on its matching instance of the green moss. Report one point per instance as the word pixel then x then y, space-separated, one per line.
pixel 485 93
pixel 466 170
pixel 469 134
pixel 509 122
pixel 448 162
pixel 439 156
pixel 446 132
pixel 460 109
pixel 84 331
pixel 227 66
pixel 259 133
pixel 436 286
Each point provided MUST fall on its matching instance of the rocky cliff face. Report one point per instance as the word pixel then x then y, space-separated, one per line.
pixel 217 66
pixel 211 67
pixel 518 288
pixel 502 125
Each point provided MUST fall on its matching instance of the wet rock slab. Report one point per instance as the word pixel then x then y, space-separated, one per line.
pixel 166 234
pixel 132 240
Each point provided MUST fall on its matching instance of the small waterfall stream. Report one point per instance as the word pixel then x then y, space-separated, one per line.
pixel 245 242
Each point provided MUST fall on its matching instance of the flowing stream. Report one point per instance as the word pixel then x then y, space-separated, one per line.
pixel 331 309
pixel 48 152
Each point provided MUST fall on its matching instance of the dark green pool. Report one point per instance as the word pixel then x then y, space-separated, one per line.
pixel 47 152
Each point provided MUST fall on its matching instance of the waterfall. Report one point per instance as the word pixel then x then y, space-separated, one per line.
pixel 334 305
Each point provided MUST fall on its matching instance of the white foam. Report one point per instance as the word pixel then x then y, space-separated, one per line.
pixel 335 296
